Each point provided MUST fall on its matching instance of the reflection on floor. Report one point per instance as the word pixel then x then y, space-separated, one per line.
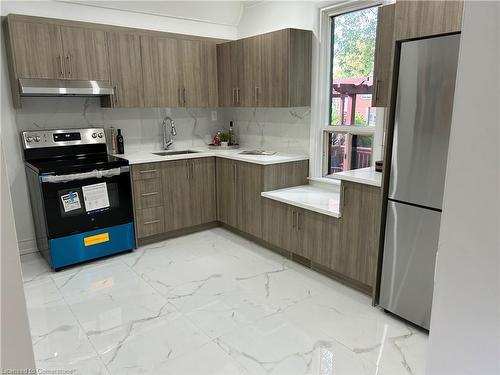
pixel 210 303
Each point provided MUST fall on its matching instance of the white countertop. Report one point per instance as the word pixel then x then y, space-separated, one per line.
pixel 146 156
pixel 367 176
pixel 311 197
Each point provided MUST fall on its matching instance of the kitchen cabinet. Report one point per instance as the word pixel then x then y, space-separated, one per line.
pixel 359 231
pixel 36 49
pixel 49 51
pixel 178 72
pixel 417 19
pixel 230 73
pixel 239 185
pixel 173 195
pixel 384 56
pixel 126 69
pixel 85 53
pixel 268 70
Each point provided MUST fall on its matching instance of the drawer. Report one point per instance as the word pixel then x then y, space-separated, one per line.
pixel 145 171
pixel 150 221
pixel 147 193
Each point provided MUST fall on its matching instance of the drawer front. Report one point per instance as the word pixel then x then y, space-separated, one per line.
pixel 147 193
pixel 150 221
pixel 145 171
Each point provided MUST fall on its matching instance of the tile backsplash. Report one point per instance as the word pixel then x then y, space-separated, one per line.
pixel 278 129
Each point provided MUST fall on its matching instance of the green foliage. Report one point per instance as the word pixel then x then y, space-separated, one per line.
pixel 359 119
pixel 354 43
pixel 224 137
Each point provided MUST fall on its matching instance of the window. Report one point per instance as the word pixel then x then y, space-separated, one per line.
pixel 350 131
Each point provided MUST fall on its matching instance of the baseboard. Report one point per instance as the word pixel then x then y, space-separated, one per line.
pixel 27 246
pixel 176 233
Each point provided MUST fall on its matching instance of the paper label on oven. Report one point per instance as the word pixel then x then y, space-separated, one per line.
pixel 71 201
pixel 95 196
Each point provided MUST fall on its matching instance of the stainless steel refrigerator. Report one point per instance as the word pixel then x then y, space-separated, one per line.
pixel 424 103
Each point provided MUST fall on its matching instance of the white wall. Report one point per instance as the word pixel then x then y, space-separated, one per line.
pixel 16 350
pixel 266 16
pixel 465 331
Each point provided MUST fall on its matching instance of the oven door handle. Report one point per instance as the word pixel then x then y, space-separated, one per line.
pixel 83 176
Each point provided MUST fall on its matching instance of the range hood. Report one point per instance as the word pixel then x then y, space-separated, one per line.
pixel 62 87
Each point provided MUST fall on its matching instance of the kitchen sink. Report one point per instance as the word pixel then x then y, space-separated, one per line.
pixel 257 152
pixel 170 153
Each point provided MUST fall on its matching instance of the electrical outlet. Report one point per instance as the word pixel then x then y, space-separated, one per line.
pixel 214 115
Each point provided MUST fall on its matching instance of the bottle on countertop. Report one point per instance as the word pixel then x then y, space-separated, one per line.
pixel 120 149
pixel 112 137
pixel 232 136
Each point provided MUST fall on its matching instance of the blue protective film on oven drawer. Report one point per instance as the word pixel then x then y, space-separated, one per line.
pixel 93 244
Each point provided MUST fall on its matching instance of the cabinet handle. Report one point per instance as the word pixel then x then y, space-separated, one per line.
pixel 232 100
pixel 237 95
pixel 179 96
pixel 61 69
pixel 343 197
pixel 376 89
pixel 148 194
pixel 151 222
pixel 293 219
pixel 148 171
pixel 68 65
pixel 184 96
pixel 257 95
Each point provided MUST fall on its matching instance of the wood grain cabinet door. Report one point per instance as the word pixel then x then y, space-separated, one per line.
pixel 225 88
pixel 125 69
pixel 37 50
pixel 203 201
pixel 320 239
pixel 417 19
pixel 209 73
pixel 251 90
pixel 279 224
pixel 177 195
pixel 384 56
pixel 359 234
pixel 226 191
pixel 194 91
pixel 85 54
pixel 160 70
pixel 275 49
pixel 248 198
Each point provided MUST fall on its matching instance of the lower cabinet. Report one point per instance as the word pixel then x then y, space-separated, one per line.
pixel 173 195
pixel 239 185
pixel 348 245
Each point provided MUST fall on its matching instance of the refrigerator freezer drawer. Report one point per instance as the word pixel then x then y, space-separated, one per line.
pixel 424 105
pixel 411 241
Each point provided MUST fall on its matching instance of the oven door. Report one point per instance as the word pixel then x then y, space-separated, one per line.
pixel 80 202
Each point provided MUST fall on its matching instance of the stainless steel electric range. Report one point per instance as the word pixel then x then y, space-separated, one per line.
pixel 80 196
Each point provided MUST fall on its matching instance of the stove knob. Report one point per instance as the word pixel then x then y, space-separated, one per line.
pixel 94 135
pixel 29 139
pixel 37 138
pixel 100 135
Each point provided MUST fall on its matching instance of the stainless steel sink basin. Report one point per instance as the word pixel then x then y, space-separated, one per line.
pixel 257 152
pixel 170 153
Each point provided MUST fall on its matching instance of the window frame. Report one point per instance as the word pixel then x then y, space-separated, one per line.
pixel 321 105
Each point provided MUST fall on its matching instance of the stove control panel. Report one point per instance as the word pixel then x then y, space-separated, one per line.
pixel 63 137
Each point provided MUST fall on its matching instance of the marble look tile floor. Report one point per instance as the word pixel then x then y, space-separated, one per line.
pixel 210 303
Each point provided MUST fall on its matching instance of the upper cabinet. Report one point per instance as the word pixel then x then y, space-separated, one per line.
pixel 179 72
pixel 417 19
pixel 48 51
pixel 269 70
pixel 85 53
pixel 126 69
pixel 384 56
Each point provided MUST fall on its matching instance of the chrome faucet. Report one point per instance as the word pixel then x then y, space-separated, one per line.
pixel 169 132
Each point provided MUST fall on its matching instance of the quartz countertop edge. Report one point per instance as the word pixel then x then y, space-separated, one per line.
pixel 308 197
pixel 367 176
pixel 144 156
